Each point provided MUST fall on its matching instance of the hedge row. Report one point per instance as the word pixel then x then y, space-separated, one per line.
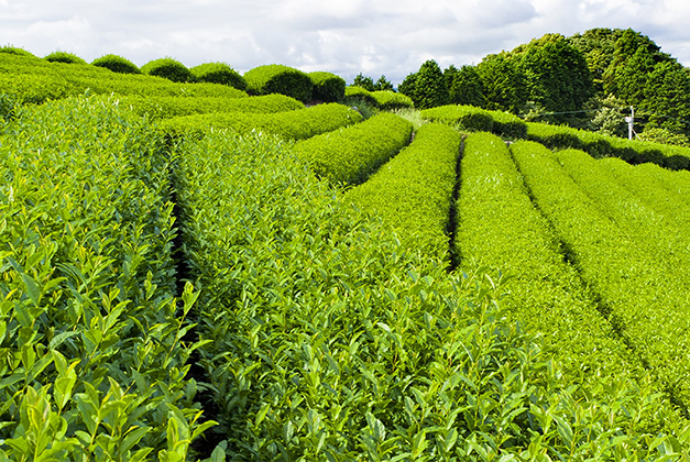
pixel 412 192
pixel 632 151
pixel 169 107
pixel 276 78
pixel 92 365
pixel 34 80
pixel 386 100
pixel 351 154
pixel 292 125
pixel 472 118
pixel 641 291
pixel 219 73
pixel 328 87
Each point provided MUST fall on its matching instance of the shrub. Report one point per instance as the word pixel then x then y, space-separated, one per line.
pixel 327 87
pixel 16 51
pixel 116 64
pixel 356 93
pixel 168 68
pixel 219 73
pixel 389 100
pixel 64 57
pixel 276 78
pixel 352 154
pixel 466 117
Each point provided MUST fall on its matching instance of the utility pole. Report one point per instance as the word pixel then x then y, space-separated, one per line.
pixel 631 121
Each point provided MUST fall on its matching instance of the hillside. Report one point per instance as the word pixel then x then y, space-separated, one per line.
pixel 191 271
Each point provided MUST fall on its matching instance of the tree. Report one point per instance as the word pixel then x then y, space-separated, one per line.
pixel 503 83
pixel 365 82
pixel 557 75
pixel 409 85
pixel 431 89
pixel 383 84
pixel 465 86
pixel 667 98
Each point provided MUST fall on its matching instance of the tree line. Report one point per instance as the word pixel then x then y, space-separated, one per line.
pixel 588 80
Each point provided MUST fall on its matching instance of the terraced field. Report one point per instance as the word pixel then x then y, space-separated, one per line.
pixel 189 272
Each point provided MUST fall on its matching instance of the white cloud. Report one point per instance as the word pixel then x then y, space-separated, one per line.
pixel 389 37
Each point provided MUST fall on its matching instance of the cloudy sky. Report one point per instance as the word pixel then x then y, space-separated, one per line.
pixel 375 37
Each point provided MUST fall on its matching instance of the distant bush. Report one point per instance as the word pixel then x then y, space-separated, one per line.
pixel 219 73
pixel 357 93
pixel 276 78
pixel 328 87
pixel 116 64
pixel 465 117
pixel 64 57
pixel 16 51
pixel 168 68
pixel 389 100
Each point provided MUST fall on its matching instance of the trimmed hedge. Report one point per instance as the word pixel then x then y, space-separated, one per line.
pixel 386 100
pixel 412 193
pixel 219 73
pixel 465 117
pixel 352 154
pixel 597 145
pixel 16 51
pixel 64 57
pixel 116 64
pixel 168 68
pixel 276 78
pixel 290 125
pixel 328 87
pixel 169 107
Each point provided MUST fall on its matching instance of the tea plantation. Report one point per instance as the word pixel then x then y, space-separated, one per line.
pixel 193 271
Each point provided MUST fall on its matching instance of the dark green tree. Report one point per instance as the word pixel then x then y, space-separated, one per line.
pixel 557 75
pixel 365 82
pixel 409 85
pixel 431 89
pixel 383 84
pixel 667 98
pixel 504 84
pixel 465 86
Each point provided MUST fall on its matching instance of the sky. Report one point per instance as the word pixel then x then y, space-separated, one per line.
pixel 346 37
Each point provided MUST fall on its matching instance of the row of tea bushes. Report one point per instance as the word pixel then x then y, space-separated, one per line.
pixel 470 118
pixel 638 287
pixel 292 125
pixel 352 154
pixel 92 362
pixel 169 107
pixel 385 100
pixel 412 192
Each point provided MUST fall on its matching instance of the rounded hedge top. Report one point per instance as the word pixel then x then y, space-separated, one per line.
pixel 276 78
pixel 64 57
pixel 168 68
pixel 219 73
pixel 16 51
pixel 328 87
pixel 117 64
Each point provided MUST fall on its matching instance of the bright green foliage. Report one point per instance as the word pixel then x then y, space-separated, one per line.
pixel 412 192
pixel 168 107
pixel 663 136
pixel 64 57
pixel 92 361
pixel 676 183
pixel 328 341
pixel 168 68
pixel 276 78
pixel 500 227
pixel 633 151
pixel 328 87
pixel 351 154
pixel 116 64
pixel 289 125
pixel 468 118
pixel 385 100
pixel 34 80
pixel 472 118
pixel 16 51
pixel 219 73
pixel 630 278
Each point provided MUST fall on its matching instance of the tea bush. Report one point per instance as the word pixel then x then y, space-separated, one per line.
pixel 64 57
pixel 116 64
pixel 328 87
pixel 168 68
pixel 351 154
pixel 219 73
pixel 276 78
